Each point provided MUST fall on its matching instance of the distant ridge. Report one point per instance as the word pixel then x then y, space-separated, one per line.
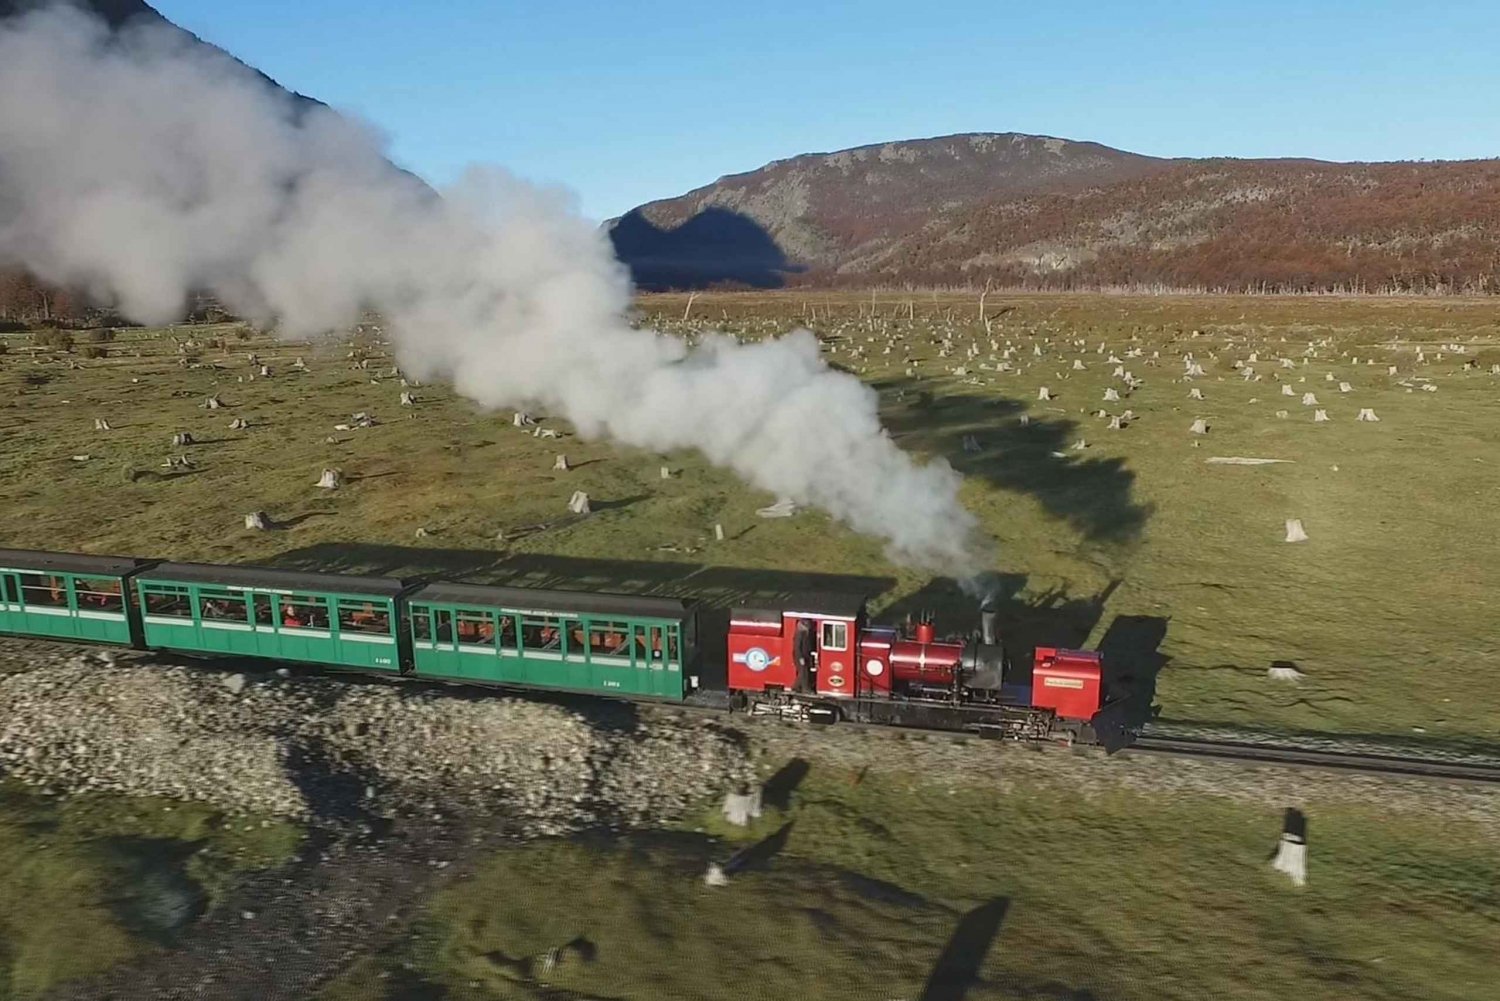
pixel 1043 212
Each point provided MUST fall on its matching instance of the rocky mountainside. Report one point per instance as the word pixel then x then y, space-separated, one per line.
pixel 819 212
pixel 1049 213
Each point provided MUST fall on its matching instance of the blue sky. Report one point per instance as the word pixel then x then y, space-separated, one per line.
pixel 638 99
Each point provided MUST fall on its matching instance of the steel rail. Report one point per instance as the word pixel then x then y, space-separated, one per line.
pixel 1301 757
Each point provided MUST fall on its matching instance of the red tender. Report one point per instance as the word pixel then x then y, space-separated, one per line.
pixel 1069 682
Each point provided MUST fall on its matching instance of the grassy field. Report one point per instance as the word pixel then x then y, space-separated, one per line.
pixel 866 890
pixel 1133 542
pixel 1175 566
pixel 90 881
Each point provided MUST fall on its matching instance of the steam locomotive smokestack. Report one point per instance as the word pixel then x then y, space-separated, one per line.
pixel 989 613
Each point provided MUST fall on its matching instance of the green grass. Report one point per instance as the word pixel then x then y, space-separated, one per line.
pixel 1117 897
pixel 1386 609
pixel 90 881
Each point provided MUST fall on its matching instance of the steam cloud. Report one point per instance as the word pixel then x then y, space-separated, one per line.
pixel 141 166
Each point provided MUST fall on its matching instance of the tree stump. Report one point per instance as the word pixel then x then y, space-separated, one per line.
pixel 579 502
pixel 257 521
pixel 331 479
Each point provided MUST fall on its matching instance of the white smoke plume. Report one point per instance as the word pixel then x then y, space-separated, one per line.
pixel 141 166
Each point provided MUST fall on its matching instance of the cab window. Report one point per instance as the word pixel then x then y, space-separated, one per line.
pixel 835 636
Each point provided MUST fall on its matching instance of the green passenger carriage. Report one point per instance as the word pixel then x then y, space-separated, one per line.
pixel 333 619
pixel 66 596
pixel 606 644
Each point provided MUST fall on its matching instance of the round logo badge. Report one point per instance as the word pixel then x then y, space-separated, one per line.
pixel 837 681
pixel 756 659
pixel 874 668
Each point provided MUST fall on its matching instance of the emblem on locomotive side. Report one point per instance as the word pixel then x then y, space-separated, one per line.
pixel 756 659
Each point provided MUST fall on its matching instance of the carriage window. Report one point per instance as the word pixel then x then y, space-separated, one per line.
pixel 671 645
pixel 221 606
pixel 476 628
pixel 541 633
pixel 168 599
pixel 421 624
pixel 363 617
pixel 262 605
pixel 609 639
pixel 99 594
pixel 444 625
pixel 507 632
pixel 45 591
pixel 835 636
pixel 10 588
pixel 300 611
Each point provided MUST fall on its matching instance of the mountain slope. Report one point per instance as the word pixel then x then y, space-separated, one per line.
pixel 1034 211
pixel 819 210
pixel 120 14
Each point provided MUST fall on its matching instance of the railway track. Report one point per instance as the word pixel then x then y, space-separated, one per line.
pixel 1372 764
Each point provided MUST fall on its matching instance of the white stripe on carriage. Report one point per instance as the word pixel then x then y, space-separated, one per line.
pixel 476 648
pixel 238 627
pixel 322 634
pixel 365 638
pixel 168 620
pixel 46 610
pixel 111 616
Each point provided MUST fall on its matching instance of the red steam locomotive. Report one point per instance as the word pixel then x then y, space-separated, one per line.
pixel 818 659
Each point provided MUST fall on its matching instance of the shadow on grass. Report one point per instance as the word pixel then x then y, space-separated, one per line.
pixel 1092 495
pixel 1052 618
pixel 777 790
pixel 957 967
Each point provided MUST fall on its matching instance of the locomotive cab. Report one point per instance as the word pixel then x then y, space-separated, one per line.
pixel 809 646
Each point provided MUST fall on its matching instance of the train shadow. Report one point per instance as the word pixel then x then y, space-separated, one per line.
pixel 1051 618
pixel 1131 648
pixel 1093 495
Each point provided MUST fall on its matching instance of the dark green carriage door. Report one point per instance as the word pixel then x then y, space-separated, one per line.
pixel 167 615
pixel 10 603
pixel 658 651
pixel 366 633
pixel 434 645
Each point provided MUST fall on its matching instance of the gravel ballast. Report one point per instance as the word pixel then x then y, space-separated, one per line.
pixel 309 747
